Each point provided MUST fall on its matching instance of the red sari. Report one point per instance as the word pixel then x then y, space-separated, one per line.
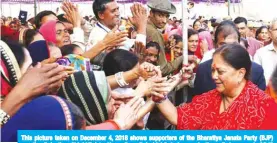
pixel 252 109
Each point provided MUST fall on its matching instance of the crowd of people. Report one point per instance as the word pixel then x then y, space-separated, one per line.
pixel 68 72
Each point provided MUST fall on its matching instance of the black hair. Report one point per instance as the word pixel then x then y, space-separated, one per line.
pixel 191 32
pixel 201 30
pixel 17 50
pixel 240 20
pixel 197 20
pixel 119 60
pixel 226 27
pixel 99 6
pixel 40 15
pixel 29 36
pixel 68 49
pixel 62 19
pixel 274 80
pixel 177 38
pixel 236 56
pixel 153 44
pixel 260 30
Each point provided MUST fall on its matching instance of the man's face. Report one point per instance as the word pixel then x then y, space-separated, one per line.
pixel 242 29
pixel 273 32
pixel 159 18
pixel 111 15
pixel 48 18
pixel 230 39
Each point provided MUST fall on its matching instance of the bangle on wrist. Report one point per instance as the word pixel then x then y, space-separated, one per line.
pixel 4 117
pixel 159 101
pixel 114 124
pixel 120 124
pixel 120 79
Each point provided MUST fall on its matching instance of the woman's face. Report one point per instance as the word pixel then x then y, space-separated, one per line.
pixel 192 43
pixel 27 63
pixel 197 26
pixel 62 35
pixel 224 75
pixel 152 55
pixel 178 49
pixel 264 35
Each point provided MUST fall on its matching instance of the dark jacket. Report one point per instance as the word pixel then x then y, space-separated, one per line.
pixel 204 82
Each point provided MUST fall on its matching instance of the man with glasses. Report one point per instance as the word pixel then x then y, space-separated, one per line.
pixel 158 17
pixel 267 56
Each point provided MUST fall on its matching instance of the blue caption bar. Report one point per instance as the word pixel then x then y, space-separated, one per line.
pixel 148 136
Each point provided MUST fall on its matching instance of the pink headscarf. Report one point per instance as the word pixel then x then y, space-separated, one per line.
pixel 178 31
pixel 206 35
pixel 48 31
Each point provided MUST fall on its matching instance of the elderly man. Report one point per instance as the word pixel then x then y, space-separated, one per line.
pixel 267 56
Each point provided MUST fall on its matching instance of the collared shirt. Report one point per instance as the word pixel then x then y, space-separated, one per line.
pixel 267 58
pixel 99 32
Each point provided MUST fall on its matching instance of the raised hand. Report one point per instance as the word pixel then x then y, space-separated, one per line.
pixel 139 19
pixel 153 86
pixel 140 51
pixel 146 70
pixel 114 38
pixel 72 13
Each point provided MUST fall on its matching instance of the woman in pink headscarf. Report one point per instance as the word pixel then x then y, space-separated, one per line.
pixel 55 32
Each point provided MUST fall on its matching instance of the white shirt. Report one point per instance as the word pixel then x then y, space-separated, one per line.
pixel 267 58
pixel 99 32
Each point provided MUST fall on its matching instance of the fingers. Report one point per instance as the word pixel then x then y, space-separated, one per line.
pixel 56 78
pixel 115 28
pixel 157 94
pixel 137 104
pixel 55 71
pixel 55 86
pixel 48 67
pixel 132 101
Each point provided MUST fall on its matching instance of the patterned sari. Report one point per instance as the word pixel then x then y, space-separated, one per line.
pixel 251 110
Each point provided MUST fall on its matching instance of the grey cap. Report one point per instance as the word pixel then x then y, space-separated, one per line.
pixel 162 5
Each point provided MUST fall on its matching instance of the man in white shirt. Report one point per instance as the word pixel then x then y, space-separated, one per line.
pixel 108 16
pixel 267 56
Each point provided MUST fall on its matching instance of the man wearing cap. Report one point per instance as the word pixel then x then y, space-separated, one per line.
pixel 158 17
pixel 159 14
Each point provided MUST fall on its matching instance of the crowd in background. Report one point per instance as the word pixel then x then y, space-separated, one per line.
pixel 107 72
